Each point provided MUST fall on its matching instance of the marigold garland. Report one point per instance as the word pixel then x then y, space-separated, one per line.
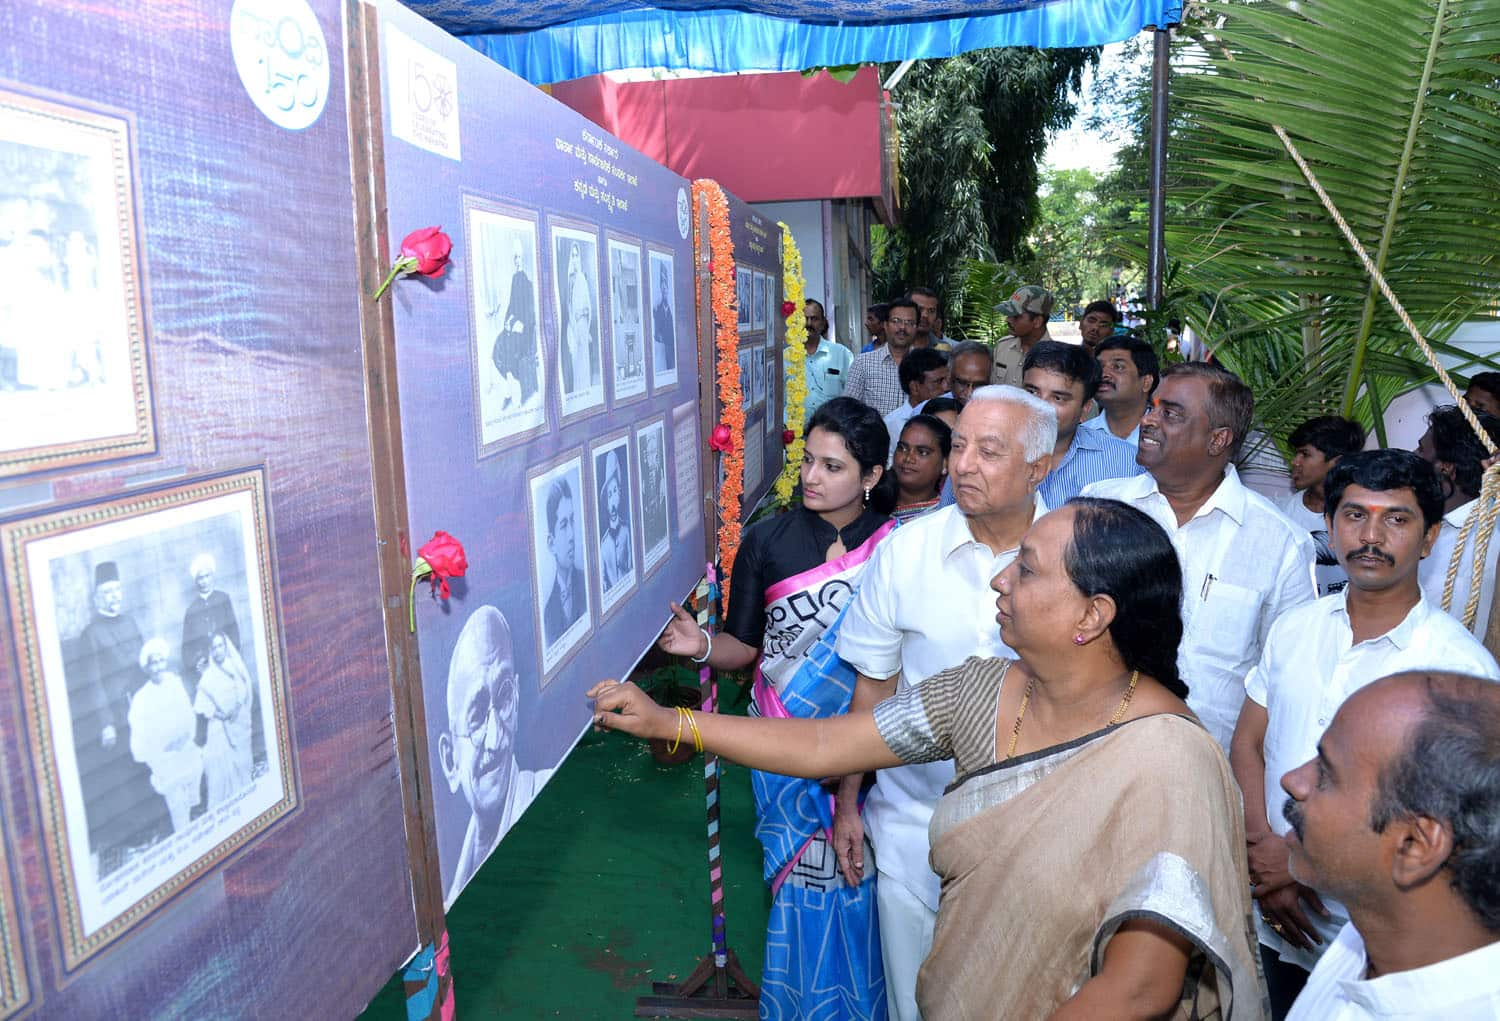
pixel 794 361
pixel 726 366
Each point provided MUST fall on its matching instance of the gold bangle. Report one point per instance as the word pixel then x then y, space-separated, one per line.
pixel 672 750
pixel 697 737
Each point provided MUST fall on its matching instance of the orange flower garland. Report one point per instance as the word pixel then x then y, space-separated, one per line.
pixel 721 295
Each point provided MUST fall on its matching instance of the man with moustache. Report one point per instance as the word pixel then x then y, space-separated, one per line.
pixel 1026 314
pixel 1243 563
pixel 1398 817
pixel 826 368
pixel 569 597
pixel 1128 374
pixel 875 376
pixel 615 555
pixel 1454 449
pixel 477 752
pixel 925 604
pixel 1383 508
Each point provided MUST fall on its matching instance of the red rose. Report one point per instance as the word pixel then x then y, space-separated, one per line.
pixel 788 437
pixel 439 558
pixel 721 439
pixel 787 308
pixel 430 247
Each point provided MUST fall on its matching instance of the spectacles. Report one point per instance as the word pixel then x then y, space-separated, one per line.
pixel 902 322
pixel 486 704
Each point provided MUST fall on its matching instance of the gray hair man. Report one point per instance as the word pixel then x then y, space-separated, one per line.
pixel 924 605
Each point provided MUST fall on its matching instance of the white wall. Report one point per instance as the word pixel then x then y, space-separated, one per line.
pixel 806 222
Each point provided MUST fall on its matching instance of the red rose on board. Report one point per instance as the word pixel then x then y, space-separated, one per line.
pixel 721 439
pixel 788 437
pixel 430 247
pixel 424 251
pixel 438 559
pixel 787 308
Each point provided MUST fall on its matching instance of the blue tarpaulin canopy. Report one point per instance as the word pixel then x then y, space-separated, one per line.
pixel 556 40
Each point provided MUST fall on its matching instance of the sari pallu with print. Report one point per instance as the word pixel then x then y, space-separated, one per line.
pixel 1044 857
pixel 822 941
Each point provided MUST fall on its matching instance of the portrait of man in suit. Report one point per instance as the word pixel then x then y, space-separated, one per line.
pixel 569 597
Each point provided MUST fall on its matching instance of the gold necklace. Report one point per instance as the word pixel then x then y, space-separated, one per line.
pixel 1015 731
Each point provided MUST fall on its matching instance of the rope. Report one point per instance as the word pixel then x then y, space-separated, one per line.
pixel 1483 516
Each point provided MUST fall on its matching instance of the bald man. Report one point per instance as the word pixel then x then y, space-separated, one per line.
pixel 477 750
pixel 1398 816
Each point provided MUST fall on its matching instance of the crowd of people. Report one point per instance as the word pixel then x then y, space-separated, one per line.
pixel 1055 717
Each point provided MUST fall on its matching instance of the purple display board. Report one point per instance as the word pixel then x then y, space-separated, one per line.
pixel 549 413
pixel 762 329
pixel 200 794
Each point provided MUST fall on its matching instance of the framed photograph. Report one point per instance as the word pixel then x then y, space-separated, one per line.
pixel 758 302
pixel 651 481
pixel 758 374
pixel 774 388
pixel 626 312
pixel 663 319
pixel 742 297
pixel 155 695
pixel 775 324
pixel 747 378
pixel 575 285
pixel 510 374
pixel 685 448
pixel 75 386
pixel 15 990
pixel 614 530
pixel 560 560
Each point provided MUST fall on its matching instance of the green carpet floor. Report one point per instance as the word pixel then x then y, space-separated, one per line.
pixel 600 890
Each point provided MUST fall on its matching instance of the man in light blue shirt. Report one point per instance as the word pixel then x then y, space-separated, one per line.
pixel 827 365
pixel 1066 376
pixel 1129 372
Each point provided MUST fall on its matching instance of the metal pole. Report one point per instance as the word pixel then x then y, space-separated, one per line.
pixel 1156 255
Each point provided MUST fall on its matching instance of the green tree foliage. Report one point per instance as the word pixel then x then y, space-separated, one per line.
pixel 972 129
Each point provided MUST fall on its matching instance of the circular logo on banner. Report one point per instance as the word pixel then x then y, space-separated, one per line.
pixel 282 58
pixel 684 213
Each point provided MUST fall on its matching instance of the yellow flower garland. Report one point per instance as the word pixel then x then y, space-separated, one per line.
pixel 794 362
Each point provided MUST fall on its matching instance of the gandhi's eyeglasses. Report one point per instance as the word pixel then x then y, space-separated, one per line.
pixel 486 703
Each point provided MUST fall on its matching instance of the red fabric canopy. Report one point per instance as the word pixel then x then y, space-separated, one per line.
pixel 764 137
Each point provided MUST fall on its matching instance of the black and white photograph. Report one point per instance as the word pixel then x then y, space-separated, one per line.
pixel 614 522
pixel 74 386
pixel 575 278
pixel 510 375
pixel 758 301
pixel 155 696
pixel 774 387
pixel 747 378
pixel 651 463
pixel 775 323
pixel 758 375
pixel 626 302
pixel 560 558
pixel 474 746
pixel 742 297
pixel 663 319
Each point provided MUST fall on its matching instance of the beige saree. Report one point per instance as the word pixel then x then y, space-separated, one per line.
pixel 1045 856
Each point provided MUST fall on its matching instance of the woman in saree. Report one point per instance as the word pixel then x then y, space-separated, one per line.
pixel 920 465
pixel 1091 847
pixel 793 576
pixel 225 700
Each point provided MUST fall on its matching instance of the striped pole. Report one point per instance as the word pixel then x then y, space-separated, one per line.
pixel 709 685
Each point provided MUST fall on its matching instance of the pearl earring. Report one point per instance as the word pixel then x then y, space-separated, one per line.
pixel 1078 639
pixel 867 494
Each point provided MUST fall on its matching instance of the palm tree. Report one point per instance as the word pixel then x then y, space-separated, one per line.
pixel 1394 105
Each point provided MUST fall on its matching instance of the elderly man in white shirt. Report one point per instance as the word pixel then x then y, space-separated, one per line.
pixel 1453 447
pixel 1397 816
pixel 1243 563
pixel 925 605
pixel 1383 509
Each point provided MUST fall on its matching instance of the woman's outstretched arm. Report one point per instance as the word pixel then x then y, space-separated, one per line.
pixel 809 748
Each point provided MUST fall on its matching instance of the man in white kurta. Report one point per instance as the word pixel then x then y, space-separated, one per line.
pixel 1454 449
pixel 1384 506
pixel 925 604
pixel 1243 563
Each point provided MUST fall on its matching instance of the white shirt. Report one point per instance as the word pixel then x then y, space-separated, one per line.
pixel 1330 574
pixel 1462 988
pixel 896 421
pixel 924 604
pixel 1243 565
pixel 1101 421
pixel 1309 667
pixel 826 369
pixel 1434 569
